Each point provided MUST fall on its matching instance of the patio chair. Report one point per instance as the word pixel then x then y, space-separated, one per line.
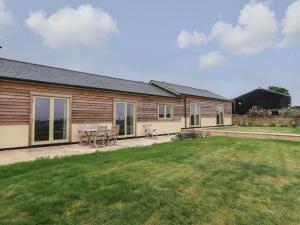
pixel 113 134
pixel 83 136
pixel 99 136
pixel 149 131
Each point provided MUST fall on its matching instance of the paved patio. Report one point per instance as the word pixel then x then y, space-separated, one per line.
pixel 29 154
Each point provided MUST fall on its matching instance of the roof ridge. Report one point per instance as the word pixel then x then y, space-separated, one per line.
pixel 260 88
pixel 276 92
pixel 182 85
pixel 76 71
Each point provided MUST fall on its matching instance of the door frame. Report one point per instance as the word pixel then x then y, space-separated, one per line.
pixel 34 95
pixel 134 117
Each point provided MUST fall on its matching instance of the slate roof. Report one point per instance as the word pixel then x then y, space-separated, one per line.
pixel 184 90
pixel 262 89
pixel 24 71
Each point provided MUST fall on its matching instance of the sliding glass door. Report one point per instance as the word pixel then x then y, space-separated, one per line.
pixel 220 115
pixel 41 120
pixel 120 117
pixel 60 119
pixel 50 120
pixel 125 118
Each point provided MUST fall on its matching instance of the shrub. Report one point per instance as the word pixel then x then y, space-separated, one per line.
pixel 288 112
pixel 186 135
pixel 259 112
pixel 191 134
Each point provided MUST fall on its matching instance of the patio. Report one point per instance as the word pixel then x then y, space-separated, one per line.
pixel 29 154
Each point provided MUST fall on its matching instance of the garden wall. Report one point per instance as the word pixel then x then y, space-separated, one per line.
pixel 297 122
pixel 264 121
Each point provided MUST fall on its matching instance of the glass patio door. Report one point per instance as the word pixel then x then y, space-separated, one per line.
pixel 60 119
pixel 125 118
pixel 220 115
pixel 50 120
pixel 195 114
pixel 41 125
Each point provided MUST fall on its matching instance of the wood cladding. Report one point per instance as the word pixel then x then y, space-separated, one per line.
pixel 92 106
pixel 209 106
pixel 88 106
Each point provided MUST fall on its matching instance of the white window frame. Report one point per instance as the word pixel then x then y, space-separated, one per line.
pixel 199 110
pixel 165 112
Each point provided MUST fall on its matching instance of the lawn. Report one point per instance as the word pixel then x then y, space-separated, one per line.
pixel 215 180
pixel 283 130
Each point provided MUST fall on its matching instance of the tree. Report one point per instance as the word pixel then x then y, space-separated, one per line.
pixel 279 90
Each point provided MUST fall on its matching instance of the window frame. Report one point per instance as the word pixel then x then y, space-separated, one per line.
pixel 165 112
pixel 199 114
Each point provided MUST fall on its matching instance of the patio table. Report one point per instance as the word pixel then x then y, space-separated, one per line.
pixel 91 132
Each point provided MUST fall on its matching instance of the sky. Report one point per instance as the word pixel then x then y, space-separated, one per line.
pixel 228 47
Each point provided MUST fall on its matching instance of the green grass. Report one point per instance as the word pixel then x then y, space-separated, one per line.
pixel 215 180
pixel 283 130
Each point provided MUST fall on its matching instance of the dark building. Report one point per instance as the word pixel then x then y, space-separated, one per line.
pixel 263 98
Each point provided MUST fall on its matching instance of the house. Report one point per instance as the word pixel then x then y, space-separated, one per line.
pixel 46 105
pixel 263 98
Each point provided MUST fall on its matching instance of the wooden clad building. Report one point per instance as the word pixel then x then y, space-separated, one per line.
pixel 45 105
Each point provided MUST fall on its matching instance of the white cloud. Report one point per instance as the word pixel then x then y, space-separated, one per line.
pixel 73 28
pixel 291 25
pixel 188 39
pixel 211 59
pixel 6 17
pixel 255 31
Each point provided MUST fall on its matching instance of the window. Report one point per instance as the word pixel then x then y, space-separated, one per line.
pixel 165 111
pixel 220 114
pixel 195 114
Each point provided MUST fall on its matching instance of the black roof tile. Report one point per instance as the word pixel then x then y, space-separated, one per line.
pixel 12 69
pixel 184 90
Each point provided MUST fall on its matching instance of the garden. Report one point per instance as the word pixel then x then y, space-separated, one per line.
pixel 212 180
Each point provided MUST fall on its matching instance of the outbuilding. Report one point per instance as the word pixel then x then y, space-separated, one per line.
pixel 267 99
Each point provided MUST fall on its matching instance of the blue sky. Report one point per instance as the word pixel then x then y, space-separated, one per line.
pixel 228 47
